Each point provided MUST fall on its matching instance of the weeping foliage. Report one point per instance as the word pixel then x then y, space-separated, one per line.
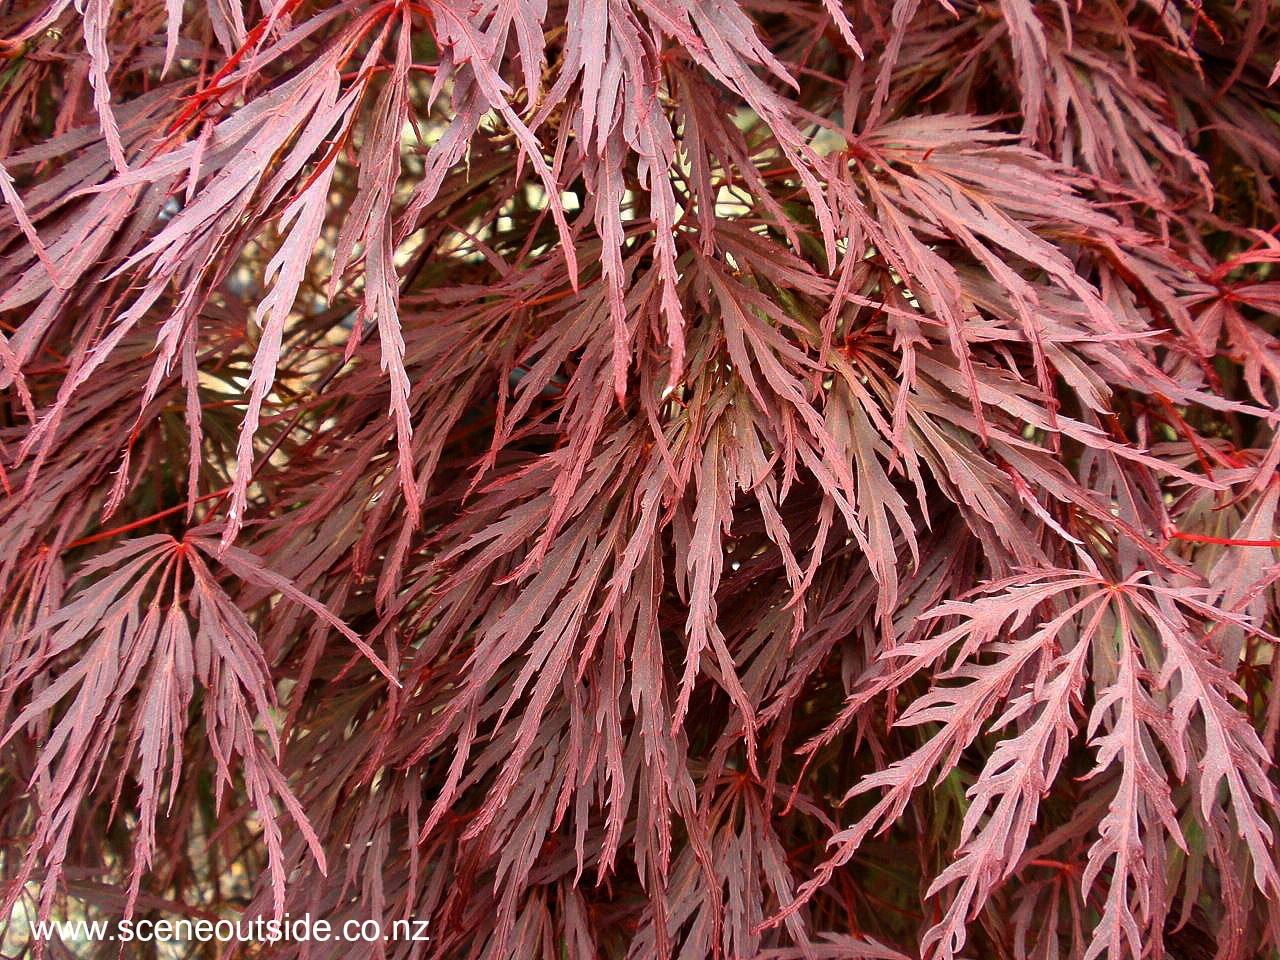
pixel 645 478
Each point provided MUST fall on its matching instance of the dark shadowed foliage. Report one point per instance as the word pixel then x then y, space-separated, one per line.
pixel 644 478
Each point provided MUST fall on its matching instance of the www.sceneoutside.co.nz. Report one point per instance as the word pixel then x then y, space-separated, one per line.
pixel 258 930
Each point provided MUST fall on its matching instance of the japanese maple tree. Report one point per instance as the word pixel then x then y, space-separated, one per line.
pixel 644 478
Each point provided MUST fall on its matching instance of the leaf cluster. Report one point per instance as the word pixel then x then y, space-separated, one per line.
pixel 645 478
